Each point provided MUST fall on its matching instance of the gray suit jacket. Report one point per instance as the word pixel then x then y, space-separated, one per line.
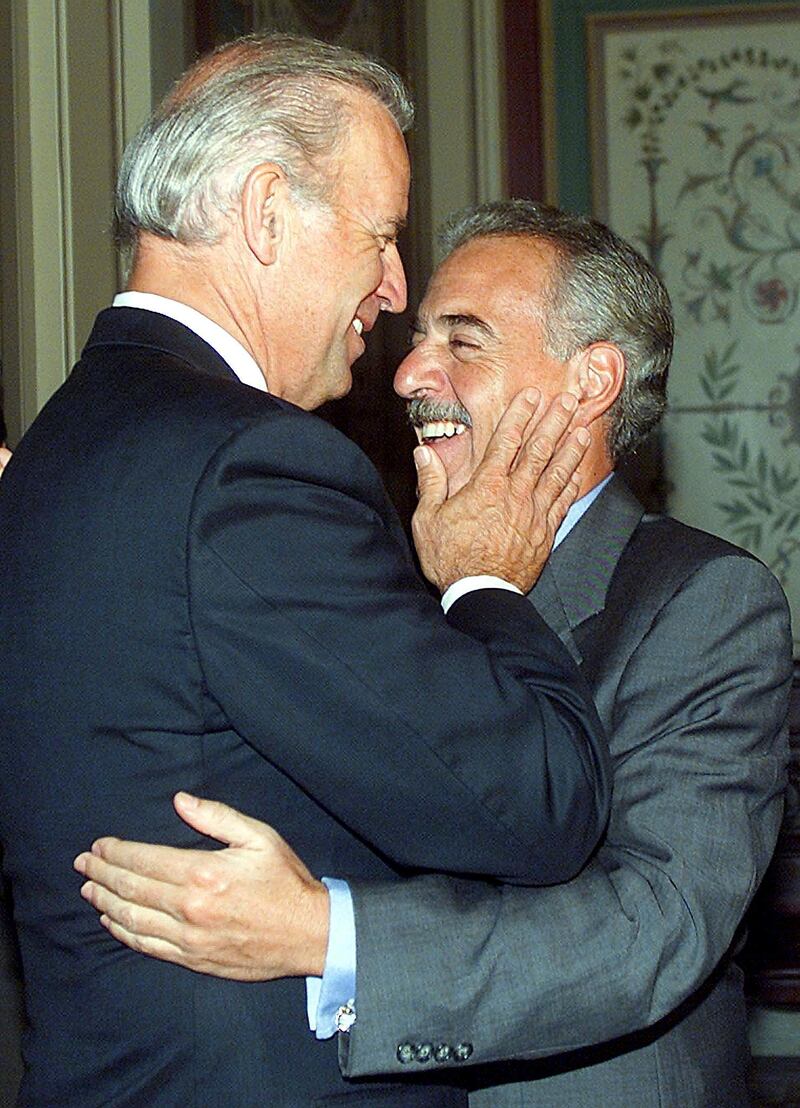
pixel 616 988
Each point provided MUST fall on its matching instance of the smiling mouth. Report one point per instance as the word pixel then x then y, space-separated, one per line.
pixel 440 429
pixel 435 420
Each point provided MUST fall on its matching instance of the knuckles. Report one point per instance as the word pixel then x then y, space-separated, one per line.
pixel 207 875
pixel 197 906
pixel 126 917
pixel 125 886
pixel 189 942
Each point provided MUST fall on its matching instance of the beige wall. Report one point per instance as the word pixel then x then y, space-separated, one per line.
pixel 77 80
pixel 456 53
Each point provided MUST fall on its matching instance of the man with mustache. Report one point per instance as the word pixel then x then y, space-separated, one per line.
pixel 205 586
pixel 618 987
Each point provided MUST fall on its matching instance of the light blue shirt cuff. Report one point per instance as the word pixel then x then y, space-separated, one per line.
pixel 336 989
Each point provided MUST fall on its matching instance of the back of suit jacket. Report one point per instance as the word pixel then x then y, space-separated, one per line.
pixel 178 549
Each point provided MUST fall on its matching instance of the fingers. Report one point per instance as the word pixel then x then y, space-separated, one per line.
pixel 147 944
pixel 137 920
pixel 5 458
pixel 542 442
pixel 124 884
pixel 563 504
pixel 219 821
pixel 431 479
pixel 557 487
pixel 172 864
pixel 510 432
pixel 163 863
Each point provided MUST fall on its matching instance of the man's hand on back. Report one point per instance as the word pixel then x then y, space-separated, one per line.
pixel 504 520
pixel 251 912
pixel 5 458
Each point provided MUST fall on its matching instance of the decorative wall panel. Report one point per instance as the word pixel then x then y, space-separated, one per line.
pixel 695 124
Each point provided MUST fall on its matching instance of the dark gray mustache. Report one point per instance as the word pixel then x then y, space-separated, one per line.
pixel 424 410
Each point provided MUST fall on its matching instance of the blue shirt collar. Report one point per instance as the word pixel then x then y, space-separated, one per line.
pixel 579 508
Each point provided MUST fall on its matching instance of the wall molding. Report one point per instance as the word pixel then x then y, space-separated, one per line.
pixel 80 82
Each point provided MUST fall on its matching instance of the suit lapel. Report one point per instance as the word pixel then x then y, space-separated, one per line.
pixel 573 585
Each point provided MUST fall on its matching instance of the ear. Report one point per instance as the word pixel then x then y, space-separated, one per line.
pixel 599 373
pixel 263 209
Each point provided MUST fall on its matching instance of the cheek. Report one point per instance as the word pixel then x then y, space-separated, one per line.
pixel 486 416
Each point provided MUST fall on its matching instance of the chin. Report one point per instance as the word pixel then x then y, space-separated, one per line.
pixel 342 387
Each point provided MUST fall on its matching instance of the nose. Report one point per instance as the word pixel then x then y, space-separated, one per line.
pixel 419 375
pixel 392 289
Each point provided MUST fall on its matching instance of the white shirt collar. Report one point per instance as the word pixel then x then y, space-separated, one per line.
pixel 241 362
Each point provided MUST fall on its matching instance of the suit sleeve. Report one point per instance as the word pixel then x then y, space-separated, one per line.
pixel 700 754
pixel 473 750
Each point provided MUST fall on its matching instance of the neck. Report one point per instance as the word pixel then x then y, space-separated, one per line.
pixel 202 278
pixel 597 462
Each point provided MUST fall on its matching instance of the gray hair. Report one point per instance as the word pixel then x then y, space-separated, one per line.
pixel 600 290
pixel 276 98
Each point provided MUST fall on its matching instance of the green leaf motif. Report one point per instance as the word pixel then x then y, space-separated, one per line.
pixel 764 508
pixel 761 466
pixel 724 462
pixel 695 181
pixel 708 388
pixel 760 503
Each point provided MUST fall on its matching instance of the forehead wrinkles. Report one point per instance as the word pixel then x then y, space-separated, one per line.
pixel 498 278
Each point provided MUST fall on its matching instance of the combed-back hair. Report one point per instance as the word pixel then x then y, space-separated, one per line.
pixel 600 289
pixel 277 98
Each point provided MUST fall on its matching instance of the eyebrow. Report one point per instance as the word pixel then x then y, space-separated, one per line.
pixel 460 319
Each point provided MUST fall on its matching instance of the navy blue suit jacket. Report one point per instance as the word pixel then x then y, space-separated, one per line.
pixel 206 588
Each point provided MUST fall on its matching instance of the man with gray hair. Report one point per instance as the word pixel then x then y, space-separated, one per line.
pixel 618 987
pixel 205 587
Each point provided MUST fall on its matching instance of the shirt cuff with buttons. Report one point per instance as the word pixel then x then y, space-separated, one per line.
pixel 460 588
pixel 330 999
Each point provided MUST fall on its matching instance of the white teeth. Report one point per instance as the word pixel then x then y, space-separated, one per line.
pixel 358 326
pixel 439 430
pixel 420 434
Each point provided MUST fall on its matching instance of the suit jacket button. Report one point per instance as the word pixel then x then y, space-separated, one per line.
pixel 462 1051
pixel 423 1052
pixel 405 1053
pixel 443 1052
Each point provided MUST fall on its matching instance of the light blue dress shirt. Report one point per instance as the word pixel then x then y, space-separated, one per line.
pixel 331 998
